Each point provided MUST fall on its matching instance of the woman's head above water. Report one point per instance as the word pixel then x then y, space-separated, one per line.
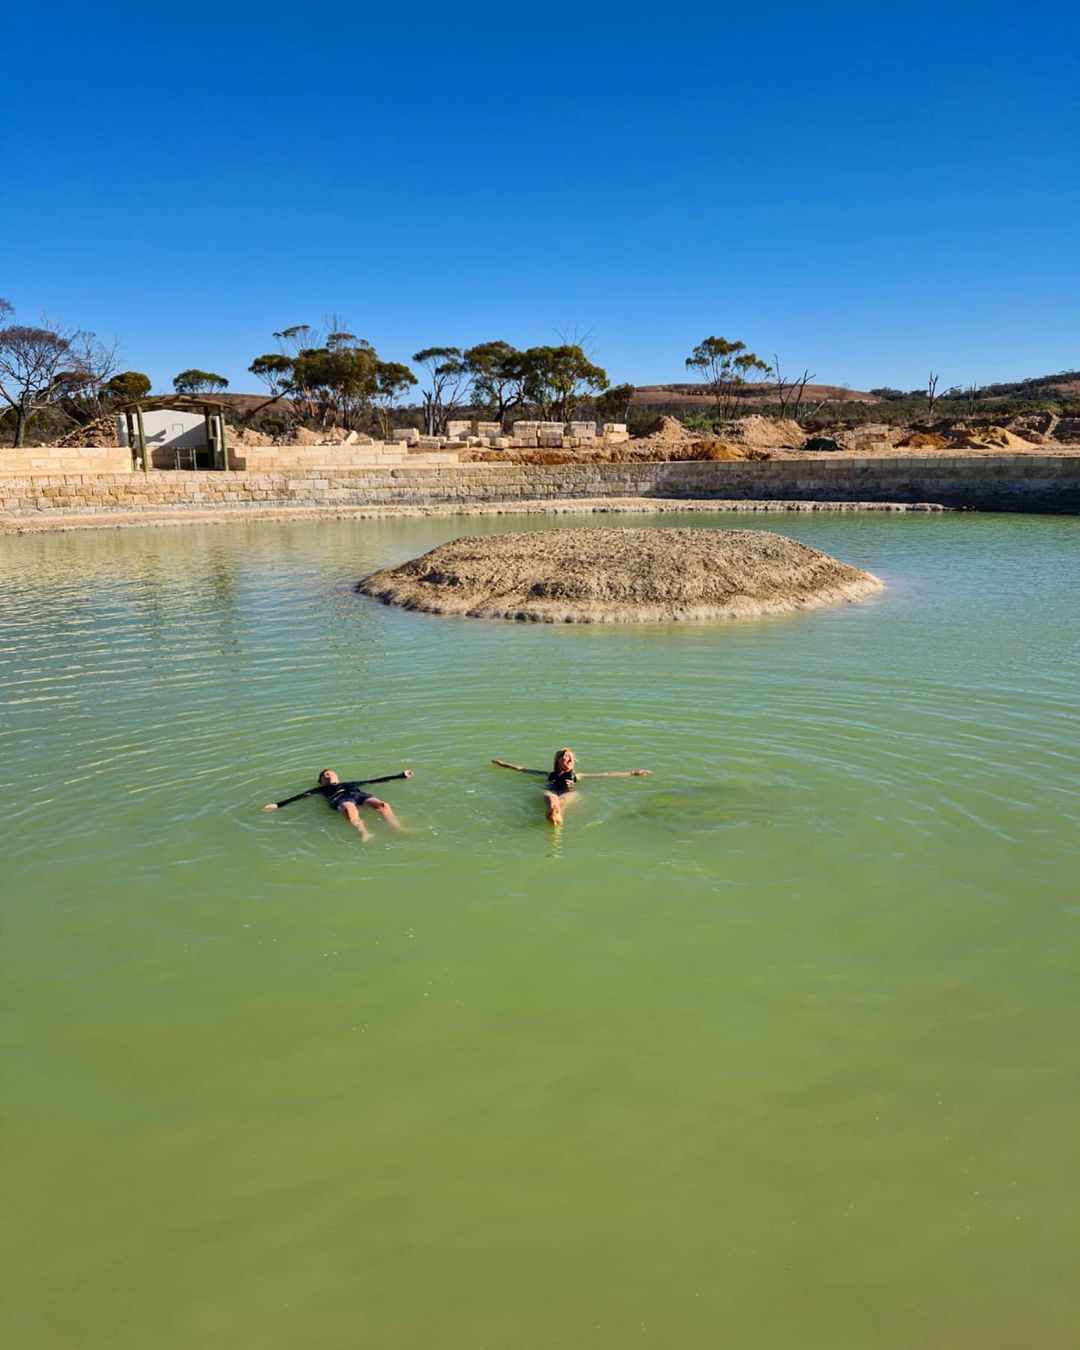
pixel 564 761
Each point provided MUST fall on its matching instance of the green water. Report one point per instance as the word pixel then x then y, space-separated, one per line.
pixel 773 1049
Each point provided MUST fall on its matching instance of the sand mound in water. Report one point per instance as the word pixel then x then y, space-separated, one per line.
pixel 619 576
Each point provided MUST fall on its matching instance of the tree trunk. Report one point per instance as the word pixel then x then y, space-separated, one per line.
pixel 20 426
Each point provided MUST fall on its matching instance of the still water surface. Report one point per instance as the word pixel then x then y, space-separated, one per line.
pixel 775 1048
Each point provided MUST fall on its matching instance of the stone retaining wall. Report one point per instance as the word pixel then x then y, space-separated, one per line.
pixel 63 459
pixel 990 482
pixel 294 459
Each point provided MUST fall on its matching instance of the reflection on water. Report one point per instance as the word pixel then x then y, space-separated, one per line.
pixel 771 1048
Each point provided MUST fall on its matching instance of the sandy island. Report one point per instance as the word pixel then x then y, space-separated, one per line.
pixel 619 576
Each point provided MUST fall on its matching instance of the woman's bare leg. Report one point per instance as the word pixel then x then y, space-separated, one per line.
pixel 383 808
pixel 352 815
pixel 554 808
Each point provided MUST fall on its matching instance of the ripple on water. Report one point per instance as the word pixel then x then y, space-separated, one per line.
pixel 808 976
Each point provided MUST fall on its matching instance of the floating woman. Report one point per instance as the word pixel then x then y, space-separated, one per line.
pixel 347 797
pixel 563 779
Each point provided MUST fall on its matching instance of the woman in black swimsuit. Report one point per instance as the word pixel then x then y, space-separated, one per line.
pixel 563 779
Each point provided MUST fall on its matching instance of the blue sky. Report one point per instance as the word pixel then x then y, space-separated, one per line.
pixel 870 192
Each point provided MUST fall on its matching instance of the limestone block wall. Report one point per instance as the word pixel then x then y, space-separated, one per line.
pixel 363 454
pixel 990 482
pixel 44 459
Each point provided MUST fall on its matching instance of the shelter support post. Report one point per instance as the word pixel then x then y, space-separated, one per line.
pixel 142 441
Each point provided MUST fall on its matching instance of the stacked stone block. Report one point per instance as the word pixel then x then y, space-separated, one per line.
pixel 49 459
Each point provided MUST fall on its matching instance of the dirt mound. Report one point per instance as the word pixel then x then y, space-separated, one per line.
pixel 924 440
pixel 723 450
pixel 650 450
pixel 101 432
pixel 671 429
pixel 619 576
pixel 990 438
pixel 765 433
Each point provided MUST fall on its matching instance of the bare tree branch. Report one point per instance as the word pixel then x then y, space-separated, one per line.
pixel 38 366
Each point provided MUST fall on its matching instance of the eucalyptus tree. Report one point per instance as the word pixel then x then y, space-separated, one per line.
pixel 392 380
pixel 196 381
pixel 340 380
pixel 498 377
pixel 726 368
pixel 300 337
pixel 449 377
pixel 557 379
pixel 126 386
pixel 613 405
pixel 275 370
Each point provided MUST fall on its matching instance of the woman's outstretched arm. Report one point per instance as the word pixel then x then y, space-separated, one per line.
pixel 624 773
pixel 517 767
pixel 276 806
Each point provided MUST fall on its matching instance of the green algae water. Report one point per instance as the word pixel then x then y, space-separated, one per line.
pixel 775 1048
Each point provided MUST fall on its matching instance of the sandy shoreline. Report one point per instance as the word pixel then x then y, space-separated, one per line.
pixel 128 520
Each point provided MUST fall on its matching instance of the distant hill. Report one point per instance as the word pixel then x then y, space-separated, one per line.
pixel 656 395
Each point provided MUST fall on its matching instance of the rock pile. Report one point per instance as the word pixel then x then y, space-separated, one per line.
pixel 100 432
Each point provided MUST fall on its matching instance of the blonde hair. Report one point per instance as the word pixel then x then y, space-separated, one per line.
pixel 558 755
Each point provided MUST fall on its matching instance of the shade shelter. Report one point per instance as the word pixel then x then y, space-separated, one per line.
pixel 212 409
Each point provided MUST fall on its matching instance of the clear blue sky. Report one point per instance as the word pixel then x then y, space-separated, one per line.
pixel 871 191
